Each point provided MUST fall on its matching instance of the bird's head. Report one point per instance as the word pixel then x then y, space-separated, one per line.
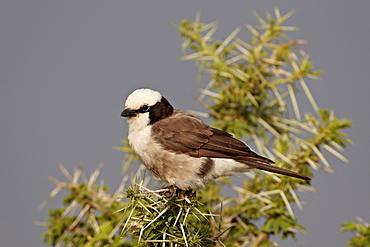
pixel 147 105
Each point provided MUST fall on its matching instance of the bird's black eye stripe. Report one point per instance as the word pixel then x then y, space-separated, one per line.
pixel 143 109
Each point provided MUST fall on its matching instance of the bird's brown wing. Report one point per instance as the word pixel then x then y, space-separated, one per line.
pixel 181 132
pixel 184 133
pixel 222 145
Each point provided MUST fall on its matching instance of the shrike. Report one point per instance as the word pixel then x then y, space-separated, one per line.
pixel 182 150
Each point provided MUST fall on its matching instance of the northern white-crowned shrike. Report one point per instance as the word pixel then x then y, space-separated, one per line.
pixel 181 149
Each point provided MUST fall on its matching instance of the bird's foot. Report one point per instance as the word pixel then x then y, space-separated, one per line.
pixel 171 191
pixel 168 190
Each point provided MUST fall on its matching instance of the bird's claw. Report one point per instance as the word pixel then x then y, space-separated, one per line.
pixel 171 191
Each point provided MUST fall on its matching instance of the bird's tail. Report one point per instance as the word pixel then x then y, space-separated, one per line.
pixel 271 168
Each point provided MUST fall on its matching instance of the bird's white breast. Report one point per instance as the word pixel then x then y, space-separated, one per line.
pixel 178 169
pixel 139 133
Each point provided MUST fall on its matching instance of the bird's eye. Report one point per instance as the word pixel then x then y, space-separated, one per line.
pixel 145 108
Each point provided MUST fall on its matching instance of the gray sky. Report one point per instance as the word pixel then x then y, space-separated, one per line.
pixel 66 68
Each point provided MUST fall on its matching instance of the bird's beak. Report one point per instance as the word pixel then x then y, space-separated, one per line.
pixel 128 113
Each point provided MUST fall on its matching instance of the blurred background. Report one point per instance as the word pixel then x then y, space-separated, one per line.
pixel 66 68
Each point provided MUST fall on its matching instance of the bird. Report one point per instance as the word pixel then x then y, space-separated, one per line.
pixel 181 149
